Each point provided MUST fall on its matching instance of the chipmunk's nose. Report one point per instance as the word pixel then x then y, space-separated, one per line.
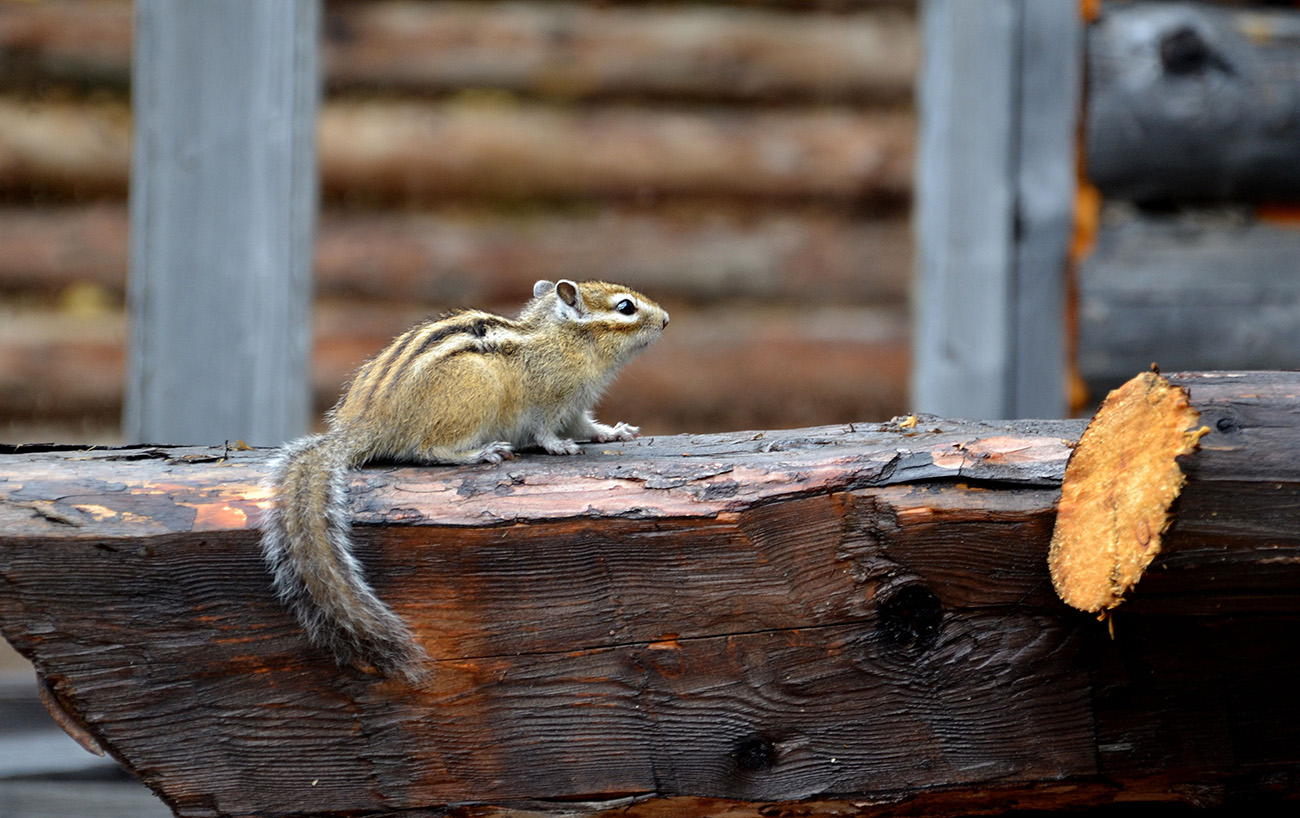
pixel 665 320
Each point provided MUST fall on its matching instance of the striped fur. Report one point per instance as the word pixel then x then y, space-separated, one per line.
pixel 470 387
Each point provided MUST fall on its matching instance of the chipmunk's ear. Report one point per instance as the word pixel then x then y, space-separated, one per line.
pixel 542 287
pixel 571 302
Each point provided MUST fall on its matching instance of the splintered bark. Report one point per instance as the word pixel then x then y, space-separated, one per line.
pixel 849 621
pixel 1201 471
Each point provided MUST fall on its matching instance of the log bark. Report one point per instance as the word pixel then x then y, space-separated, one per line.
pixel 551 49
pixel 1196 471
pixel 854 620
pixel 421 152
pixel 452 257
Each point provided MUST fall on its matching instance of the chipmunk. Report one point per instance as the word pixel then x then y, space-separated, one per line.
pixel 471 387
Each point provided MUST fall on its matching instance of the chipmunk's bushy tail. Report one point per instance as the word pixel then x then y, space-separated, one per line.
pixel 307 543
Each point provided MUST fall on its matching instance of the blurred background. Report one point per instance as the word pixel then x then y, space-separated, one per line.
pixel 747 164
pixel 751 164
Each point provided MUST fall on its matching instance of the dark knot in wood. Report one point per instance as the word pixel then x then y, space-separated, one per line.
pixel 754 754
pixel 911 618
pixel 1185 51
pixel 1227 425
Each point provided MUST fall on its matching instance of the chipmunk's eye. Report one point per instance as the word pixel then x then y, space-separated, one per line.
pixel 626 306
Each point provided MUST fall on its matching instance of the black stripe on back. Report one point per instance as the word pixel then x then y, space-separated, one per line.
pixel 476 326
pixel 389 355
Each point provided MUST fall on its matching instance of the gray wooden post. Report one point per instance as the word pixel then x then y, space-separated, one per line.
pixel 223 204
pixel 999 101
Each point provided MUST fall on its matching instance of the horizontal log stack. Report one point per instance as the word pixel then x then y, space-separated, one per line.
pixel 1193 140
pixel 843 620
pixel 748 164
pixel 756 170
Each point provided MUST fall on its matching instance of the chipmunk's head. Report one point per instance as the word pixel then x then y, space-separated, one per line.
pixel 620 320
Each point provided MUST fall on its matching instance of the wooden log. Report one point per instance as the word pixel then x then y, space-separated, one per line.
pixel 852 620
pixel 551 49
pixel 62 365
pixel 696 254
pixel 416 152
pixel 1189 291
pixel 714 371
pixel 419 151
pixel 80 150
pixel 579 51
pixel 1169 84
pixel 48 250
pixel 65 41
pixel 1219 444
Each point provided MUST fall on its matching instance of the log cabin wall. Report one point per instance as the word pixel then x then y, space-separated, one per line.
pixel 1193 143
pixel 748 164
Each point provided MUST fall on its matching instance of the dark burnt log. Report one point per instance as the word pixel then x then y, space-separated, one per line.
pixel 1190 101
pixel 1200 290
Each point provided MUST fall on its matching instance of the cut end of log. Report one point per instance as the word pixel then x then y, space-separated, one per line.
pixel 1119 486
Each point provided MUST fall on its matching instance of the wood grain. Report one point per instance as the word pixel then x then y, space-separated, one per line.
pixel 1229 541
pixel 1235 520
pixel 712 632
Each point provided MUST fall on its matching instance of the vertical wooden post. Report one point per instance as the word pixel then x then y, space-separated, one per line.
pixel 999 100
pixel 223 203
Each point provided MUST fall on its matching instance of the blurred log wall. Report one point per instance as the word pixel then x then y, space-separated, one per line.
pixel 747 164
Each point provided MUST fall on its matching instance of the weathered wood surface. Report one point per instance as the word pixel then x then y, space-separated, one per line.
pixel 418 151
pixel 1189 291
pixel 687 253
pixel 1171 84
pixel 851 620
pixel 552 49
